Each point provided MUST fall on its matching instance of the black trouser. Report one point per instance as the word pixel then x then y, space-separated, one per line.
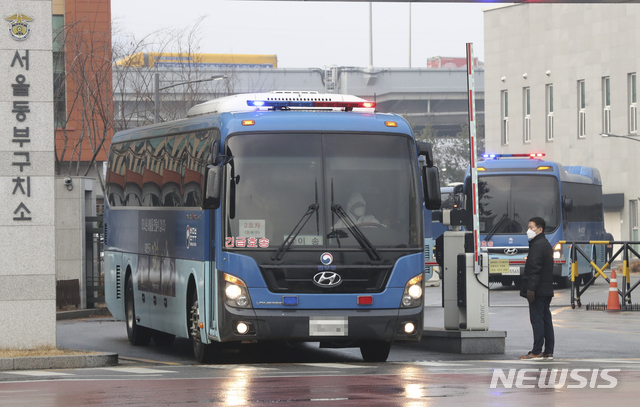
pixel 540 315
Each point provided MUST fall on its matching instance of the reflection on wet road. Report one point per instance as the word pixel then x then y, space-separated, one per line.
pixel 317 384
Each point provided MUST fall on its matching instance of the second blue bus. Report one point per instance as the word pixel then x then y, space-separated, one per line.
pixel 513 188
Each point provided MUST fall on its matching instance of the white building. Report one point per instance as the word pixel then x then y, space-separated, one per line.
pixel 556 77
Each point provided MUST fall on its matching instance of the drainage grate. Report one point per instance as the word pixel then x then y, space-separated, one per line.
pixel 601 306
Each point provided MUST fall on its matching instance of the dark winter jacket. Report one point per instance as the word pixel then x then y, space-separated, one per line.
pixel 538 270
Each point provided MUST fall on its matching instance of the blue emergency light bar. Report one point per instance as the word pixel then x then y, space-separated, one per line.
pixel 310 104
pixel 497 156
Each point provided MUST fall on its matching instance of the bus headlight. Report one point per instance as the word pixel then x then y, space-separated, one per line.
pixel 415 291
pixel 236 293
pixel 412 296
pixel 233 291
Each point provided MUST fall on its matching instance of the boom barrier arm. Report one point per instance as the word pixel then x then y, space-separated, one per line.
pixel 576 292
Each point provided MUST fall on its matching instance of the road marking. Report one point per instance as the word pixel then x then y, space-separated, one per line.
pixel 438 364
pixel 136 370
pixel 334 399
pixel 38 373
pixel 150 361
pixel 526 361
pixel 595 329
pixel 334 365
pixel 559 310
pixel 238 367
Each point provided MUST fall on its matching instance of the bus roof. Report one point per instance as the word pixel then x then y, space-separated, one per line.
pixel 271 121
pixel 580 174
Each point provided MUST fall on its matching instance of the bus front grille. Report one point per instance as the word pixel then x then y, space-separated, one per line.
pixel 300 279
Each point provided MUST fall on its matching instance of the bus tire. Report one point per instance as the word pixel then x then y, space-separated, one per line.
pixel 162 338
pixel 138 335
pixel 375 351
pixel 204 353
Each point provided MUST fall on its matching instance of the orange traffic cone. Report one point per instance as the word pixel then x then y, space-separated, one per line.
pixel 614 300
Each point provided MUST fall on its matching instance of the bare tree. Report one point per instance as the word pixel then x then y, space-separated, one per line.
pixel 451 154
pixel 108 86
pixel 86 122
pixel 137 61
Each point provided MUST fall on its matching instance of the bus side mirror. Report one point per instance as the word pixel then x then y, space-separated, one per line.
pixel 213 186
pixel 431 187
pixel 568 204
pixel 457 196
pixel 424 149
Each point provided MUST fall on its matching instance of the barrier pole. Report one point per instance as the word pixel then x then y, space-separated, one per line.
pixel 574 273
pixel 625 271
pixel 594 265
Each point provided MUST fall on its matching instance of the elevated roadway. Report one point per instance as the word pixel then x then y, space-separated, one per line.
pixel 423 95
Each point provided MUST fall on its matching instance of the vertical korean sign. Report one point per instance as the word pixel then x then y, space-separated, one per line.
pixel 27 214
pixel 473 156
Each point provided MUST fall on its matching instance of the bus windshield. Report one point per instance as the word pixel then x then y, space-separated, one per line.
pixel 507 202
pixel 275 181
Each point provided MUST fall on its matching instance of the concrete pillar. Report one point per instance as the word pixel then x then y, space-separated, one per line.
pixel 27 217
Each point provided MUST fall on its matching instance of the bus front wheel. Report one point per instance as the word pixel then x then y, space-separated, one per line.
pixel 375 351
pixel 204 353
pixel 138 335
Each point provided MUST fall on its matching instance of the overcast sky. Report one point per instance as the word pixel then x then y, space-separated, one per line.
pixel 314 34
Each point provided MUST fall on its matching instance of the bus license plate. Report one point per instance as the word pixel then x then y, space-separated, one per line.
pixel 328 326
pixel 514 271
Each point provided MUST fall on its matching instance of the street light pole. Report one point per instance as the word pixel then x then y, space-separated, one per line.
pixel 157 88
pixel 618 136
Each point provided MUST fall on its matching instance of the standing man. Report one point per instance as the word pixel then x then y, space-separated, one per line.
pixel 537 288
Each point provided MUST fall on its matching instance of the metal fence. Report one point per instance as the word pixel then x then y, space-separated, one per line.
pixel 94 267
pixel 625 250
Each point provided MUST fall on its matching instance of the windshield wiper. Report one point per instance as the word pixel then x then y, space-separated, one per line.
pixel 495 227
pixel 521 221
pixel 356 232
pixel 294 233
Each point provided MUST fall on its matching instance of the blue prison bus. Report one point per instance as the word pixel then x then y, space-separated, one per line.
pixel 513 188
pixel 274 216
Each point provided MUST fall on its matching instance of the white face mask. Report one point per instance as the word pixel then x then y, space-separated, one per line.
pixel 359 211
pixel 531 234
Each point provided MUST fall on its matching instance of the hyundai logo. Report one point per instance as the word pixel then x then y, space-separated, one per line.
pixel 327 279
pixel 510 251
pixel 326 258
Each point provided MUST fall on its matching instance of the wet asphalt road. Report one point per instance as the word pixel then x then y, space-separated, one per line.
pixel 303 374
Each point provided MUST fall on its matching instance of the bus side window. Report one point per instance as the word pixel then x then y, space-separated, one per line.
pixel 115 176
pixel 152 175
pixel 172 170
